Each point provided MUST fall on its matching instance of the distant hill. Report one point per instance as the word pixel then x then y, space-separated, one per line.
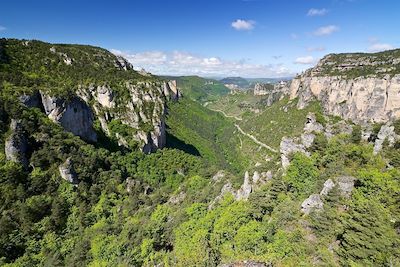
pixel 200 89
pixel 239 81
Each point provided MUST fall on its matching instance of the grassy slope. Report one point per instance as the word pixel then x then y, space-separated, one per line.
pixel 201 89
pixel 239 103
pixel 208 131
pixel 279 120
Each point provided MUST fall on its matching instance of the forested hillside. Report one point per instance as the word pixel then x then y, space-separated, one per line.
pixel 279 186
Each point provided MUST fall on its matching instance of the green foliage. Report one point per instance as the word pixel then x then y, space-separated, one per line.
pixel 281 119
pixel 302 174
pixel 356 134
pixel 209 132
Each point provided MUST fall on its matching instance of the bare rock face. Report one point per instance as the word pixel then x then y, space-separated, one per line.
pixel 16 144
pixel 73 115
pixel 313 203
pixel 346 185
pixel 385 133
pixel 275 92
pixel 311 125
pixel 67 172
pixel 289 146
pixel 371 98
pixel 245 189
pixel 145 104
pixel 328 186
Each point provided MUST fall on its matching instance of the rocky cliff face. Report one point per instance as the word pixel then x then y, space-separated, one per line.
pixel 359 87
pixel 73 114
pixel 16 145
pixel 275 92
pixel 82 85
pixel 142 111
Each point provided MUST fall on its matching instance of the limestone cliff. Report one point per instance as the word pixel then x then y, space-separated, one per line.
pixel 359 87
pixel 273 92
pixel 81 87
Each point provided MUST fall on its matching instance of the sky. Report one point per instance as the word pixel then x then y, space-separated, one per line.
pixel 211 38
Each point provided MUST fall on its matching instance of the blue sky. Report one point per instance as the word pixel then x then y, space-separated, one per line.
pixel 249 38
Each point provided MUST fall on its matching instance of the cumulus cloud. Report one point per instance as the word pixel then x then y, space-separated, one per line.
pixel 304 60
pixel 326 30
pixel 377 47
pixel 316 49
pixel 184 63
pixel 243 25
pixel 2 28
pixel 317 12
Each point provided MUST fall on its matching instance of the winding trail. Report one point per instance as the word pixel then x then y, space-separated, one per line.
pixel 252 137
pixel 226 115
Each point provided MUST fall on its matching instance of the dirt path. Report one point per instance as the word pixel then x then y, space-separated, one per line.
pixel 252 137
pixel 226 115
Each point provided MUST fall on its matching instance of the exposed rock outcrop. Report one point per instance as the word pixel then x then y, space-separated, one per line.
pixel 146 105
pixel 385 133
pixel 16 144
pixel 248 186
pixel 315 202
pixel 67 172
pixel 346 185
pixel 289 146
pixel 364 98
pixel 275 92
pixel 328 186
pixel 74 115
pixel 312 203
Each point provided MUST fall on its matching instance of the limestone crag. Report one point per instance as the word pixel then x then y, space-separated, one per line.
pixel 67 172
pixel 16 144
pixel 288 147
pixel 314 202
pixel 363 98
pixel 386 132
pixel 145 105
pixel 73 114
pixel 275 92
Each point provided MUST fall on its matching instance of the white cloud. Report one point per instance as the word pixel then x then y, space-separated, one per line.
pixel 2 28
pixel 304 60
pixel 316 49
pixel 377 47
pixel 326 30
pixel 184 63
pixel 243 25
pixel 294 36
pixel 317 12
